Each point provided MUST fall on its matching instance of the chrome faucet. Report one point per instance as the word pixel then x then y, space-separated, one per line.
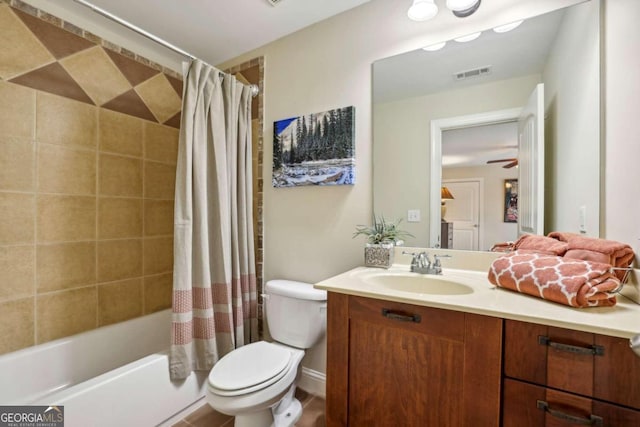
pixel 420 263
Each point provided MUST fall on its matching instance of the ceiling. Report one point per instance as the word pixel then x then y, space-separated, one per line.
pixel 520 52
pixel 474 146
pixel 217 31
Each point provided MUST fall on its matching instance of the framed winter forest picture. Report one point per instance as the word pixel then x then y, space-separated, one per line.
pixel 316 149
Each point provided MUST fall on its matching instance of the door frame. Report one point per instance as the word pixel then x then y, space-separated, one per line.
pixel 437 127
pixel 480 206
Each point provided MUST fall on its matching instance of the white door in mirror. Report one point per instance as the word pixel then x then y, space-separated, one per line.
pixel 531 164
pixel 464 212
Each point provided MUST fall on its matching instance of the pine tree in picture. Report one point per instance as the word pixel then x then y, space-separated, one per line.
pixel 315 149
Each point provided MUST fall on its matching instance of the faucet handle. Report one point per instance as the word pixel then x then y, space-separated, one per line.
pixel 414 257
pixel 437 259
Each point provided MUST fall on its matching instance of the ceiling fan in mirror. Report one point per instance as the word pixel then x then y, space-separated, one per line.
pixel 512 162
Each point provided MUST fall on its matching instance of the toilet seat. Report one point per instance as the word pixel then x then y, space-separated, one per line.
pixel 249 368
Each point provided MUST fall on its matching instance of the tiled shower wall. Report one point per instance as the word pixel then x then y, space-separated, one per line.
pixel 88 144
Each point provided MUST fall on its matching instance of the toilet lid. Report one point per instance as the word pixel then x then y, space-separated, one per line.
pixel 249 366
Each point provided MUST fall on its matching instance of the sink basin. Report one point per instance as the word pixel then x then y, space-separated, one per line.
pixel 419 283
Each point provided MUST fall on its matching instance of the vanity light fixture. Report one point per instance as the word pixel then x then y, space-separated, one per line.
pixel 507 27
pixel 468 37
pixel 422 10
pixel 463 8
pixel 434 47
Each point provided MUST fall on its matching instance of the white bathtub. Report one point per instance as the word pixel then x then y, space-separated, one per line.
pixel 117 375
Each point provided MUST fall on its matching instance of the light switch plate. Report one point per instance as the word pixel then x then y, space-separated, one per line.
pixel 413 215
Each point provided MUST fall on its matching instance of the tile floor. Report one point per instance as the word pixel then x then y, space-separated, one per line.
pixel 205 416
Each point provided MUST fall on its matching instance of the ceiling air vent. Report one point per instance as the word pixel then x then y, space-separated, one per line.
pixel 274 2
pixel 476 72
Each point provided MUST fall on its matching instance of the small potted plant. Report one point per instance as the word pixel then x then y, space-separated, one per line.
pixel 382 237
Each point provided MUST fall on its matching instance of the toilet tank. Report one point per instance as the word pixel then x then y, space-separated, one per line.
pixel 296 312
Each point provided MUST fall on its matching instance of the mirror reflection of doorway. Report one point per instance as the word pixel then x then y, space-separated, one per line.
pixel 463 212
pixel 476 161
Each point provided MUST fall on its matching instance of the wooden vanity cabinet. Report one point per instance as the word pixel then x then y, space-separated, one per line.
pixel 561 377
pixel 394 364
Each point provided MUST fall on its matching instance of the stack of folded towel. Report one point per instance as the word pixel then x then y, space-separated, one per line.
pixel 565 268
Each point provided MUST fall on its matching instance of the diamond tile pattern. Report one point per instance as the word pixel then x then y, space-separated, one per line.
pixel 42 56
pixel 20 50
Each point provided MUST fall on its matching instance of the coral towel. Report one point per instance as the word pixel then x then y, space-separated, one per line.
pixel 541 244
pixel 599 250
pixel 572 282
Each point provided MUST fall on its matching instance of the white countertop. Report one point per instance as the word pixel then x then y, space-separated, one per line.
pixel 621 320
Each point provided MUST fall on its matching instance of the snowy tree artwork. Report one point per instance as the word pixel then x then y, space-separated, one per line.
pixel 316 149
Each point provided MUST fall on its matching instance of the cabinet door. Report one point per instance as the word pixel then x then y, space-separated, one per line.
pixel 589 364
pixel 528 405
pixel 617 373
pixel 409 366
pixel 555 357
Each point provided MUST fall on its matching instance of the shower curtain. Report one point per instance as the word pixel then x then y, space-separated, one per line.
pixel 214 282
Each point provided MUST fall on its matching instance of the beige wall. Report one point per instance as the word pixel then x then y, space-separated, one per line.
pixel 621 201
pixel 572 82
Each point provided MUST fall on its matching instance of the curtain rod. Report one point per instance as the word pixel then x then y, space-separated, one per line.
pixel 254 88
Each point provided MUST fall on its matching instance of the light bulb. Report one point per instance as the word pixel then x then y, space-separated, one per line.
pixel 422 10
pixel 507 27
pixel 468 37
pixel 434 47
pixel 463 8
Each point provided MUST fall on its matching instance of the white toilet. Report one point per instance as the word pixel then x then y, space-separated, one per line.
pixel 256 383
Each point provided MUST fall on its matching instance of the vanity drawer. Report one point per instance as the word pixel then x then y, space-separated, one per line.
pixel 528 405
pixel 415 318
pixel 584 363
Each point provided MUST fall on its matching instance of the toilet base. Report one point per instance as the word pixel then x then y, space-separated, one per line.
pixel 288 411
pixel 285 414
pixel 254 419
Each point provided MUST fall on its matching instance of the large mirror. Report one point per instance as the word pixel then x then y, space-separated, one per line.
pixel 449 118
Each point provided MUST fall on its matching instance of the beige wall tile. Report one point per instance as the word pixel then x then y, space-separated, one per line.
pixel 119 259
pixel 66 170
pixel 158 255
pixel 66 265
pixel 17 272
pixel 119 301
pixel 18 213
pixel 66 218
pixel 159 181
pixel 16 328
pixel 17 111
pixel 61 314
pixel 21 50
pixel 120 176
pixel 160 142
pixel 96 73
pixel 158 291
pixel 158 217
pixel 120 133
pixel 160 97
pixel 17 166
pixel 119 218
pixel 65 121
